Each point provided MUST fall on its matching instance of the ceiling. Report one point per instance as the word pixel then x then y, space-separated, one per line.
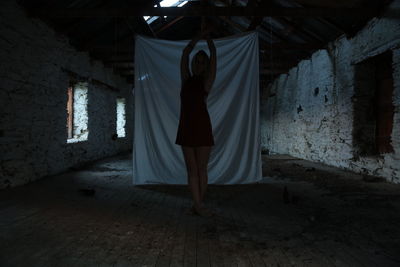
pixel 106 29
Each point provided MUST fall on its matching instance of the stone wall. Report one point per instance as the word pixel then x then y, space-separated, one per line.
pixel 309 112
pixel 33 99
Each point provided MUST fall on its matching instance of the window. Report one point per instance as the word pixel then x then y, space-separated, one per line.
pixel 165 3
pixel 70 112
pixel 384 103
pixel 121 120
pixel 373 105
pixel 77 114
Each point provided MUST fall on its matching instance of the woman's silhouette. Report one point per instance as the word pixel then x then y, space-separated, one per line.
pixel 195 130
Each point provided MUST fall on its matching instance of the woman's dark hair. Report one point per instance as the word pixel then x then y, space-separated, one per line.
pixel 198 54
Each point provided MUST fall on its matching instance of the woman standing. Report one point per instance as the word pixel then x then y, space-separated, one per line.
pixel 195 129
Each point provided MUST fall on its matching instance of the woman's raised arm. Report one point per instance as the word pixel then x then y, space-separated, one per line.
pixel 213 65
pixel 185 73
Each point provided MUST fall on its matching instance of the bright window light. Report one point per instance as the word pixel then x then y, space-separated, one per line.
pixel 121 120
pixel 182 3
pixel 78 113
pixel 165 3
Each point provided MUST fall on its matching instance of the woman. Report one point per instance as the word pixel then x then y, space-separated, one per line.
pixel 195 130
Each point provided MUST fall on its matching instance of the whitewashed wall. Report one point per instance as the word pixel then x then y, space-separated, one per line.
pixel 319 127
pixel 33 101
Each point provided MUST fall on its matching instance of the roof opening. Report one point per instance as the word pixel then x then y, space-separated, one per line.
pixel 166 3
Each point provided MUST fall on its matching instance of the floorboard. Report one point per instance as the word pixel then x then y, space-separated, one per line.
pixel 95 217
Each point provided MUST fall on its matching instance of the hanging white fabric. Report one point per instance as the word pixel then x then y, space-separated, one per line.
pixel 233 105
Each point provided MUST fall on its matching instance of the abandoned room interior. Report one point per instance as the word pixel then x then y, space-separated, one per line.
pixel 299 100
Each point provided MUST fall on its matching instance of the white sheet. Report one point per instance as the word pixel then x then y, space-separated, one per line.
pixel 233 105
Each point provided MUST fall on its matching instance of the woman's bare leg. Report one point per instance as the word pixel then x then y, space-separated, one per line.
pixel 193 178
pixel 202 156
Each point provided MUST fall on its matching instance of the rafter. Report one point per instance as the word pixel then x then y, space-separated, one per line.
pixel 233 24
pixel 199 10
pixel 291 46
pixel 169 24
pixel 296 28
pixel 148 27
pixel 265 47
pixel 255 21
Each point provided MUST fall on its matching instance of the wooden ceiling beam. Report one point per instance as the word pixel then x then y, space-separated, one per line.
pixel 265 70
pixel 235 25
pixel 169 24
pixel 148 27
pixel 278 57
pixel 199 10
pixel 290 46
pixel 274 34
pixel 243 28
pixel 255 21
pixel 298 30
pixel 264 47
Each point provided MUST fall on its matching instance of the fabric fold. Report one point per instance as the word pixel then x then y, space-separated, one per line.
pixel 233 105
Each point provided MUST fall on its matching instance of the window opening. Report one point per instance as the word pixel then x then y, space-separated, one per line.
pixel 373 105
pixel 77 113
pixel 121 118
pixel 165 3
pixel 70 112
pixel 384 103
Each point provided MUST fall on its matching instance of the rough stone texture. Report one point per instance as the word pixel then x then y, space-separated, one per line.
pixel 121 117
pixel 317 124
pixel 80 117
pixel 33 99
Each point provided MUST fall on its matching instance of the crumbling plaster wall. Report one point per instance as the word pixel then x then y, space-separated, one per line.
pixel 298 121
pixel 33 100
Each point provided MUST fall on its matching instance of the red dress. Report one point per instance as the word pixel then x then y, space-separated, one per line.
pixel 194 123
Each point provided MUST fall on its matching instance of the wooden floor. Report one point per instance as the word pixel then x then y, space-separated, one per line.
pixel 95 217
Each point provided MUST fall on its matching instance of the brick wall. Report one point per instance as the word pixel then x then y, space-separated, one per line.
pixel 33 100
pixel 309 112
